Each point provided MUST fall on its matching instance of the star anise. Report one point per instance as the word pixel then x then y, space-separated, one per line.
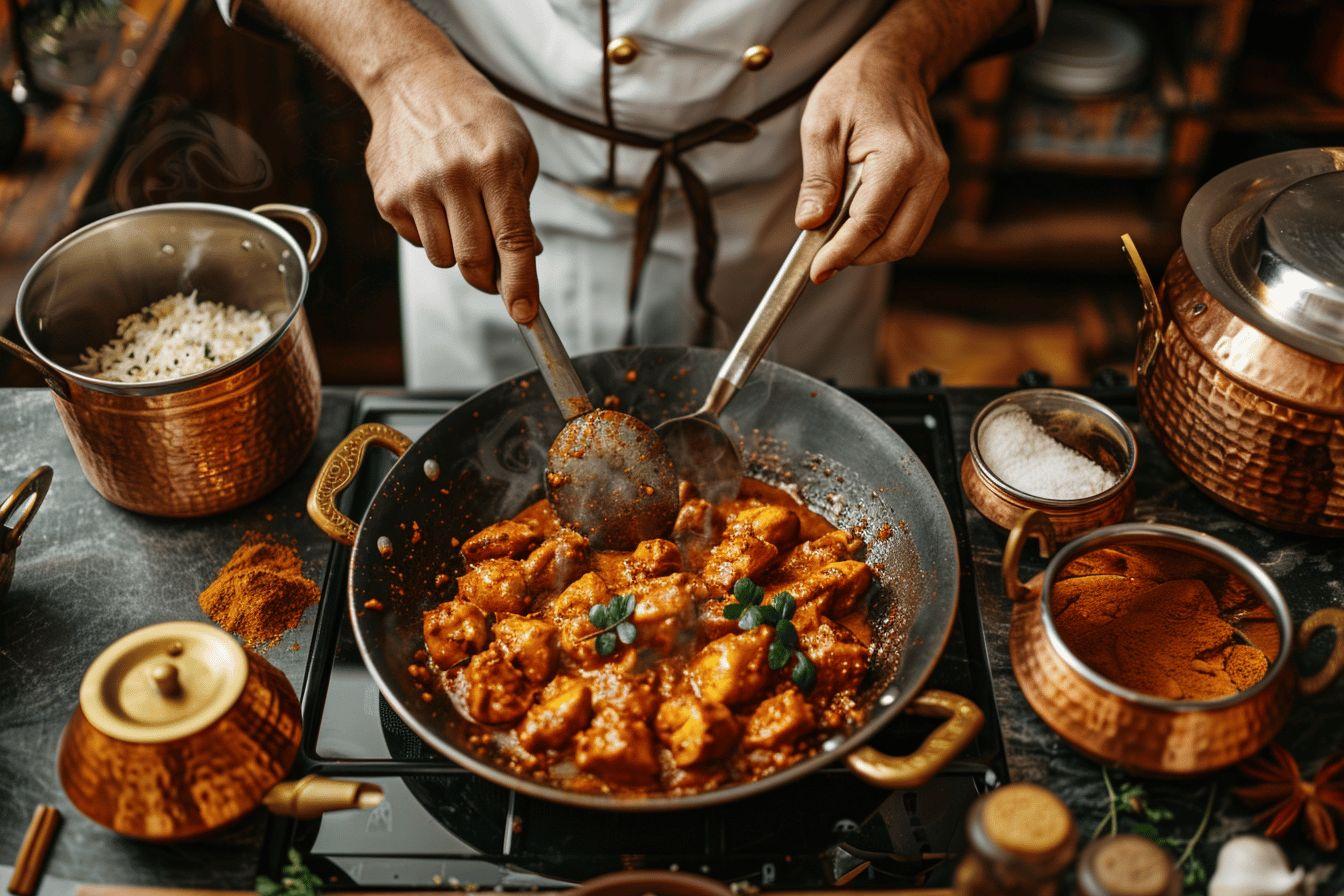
pixel 1285 795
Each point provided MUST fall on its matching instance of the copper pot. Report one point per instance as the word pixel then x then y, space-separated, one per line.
pixel 1139 732
pixel 19 507
pixel 1241 347
pixel 199 444
pixel 180 731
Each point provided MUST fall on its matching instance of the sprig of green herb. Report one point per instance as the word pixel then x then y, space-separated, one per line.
pixel 1131 802
pixel 612 621
pixel 749 611
pixel 295 880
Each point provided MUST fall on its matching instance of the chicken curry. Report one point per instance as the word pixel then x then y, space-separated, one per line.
pixel 727 651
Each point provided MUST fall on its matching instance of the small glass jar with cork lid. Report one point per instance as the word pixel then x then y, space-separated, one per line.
pixel 1021 838
pixel 1064 454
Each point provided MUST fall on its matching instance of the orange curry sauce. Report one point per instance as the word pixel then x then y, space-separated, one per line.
pixel 692 704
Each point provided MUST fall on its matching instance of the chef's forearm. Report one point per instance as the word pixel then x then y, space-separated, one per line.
pixel 933 37
pixel 366 42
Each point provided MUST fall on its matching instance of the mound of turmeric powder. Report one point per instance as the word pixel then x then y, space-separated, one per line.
pixel 1157 622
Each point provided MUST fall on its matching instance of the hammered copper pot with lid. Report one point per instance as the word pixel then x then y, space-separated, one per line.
pixel 1241 347
pixel 180 731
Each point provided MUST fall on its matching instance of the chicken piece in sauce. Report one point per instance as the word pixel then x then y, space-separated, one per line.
pixel 556 562
pixel 530 644
pixel 495 586
pixel 696 730
pixel 454 630
pixel 777 525
pixel 506 539
pixel 738 557
pixel 779 721
pixel 841 660
pixel 569 613
pixel 497 691
pixel 665 611
pixel 617 748
pixel 565 709
pixel 733 669
pixel 652 559
pixel 836 588
pixel 812 555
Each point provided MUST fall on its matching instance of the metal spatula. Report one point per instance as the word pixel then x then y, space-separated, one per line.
pixel 607 474
pixel 703 453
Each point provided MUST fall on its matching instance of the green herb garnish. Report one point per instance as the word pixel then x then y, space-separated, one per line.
pixel 295 880
pixel 749 611
pixel 612 621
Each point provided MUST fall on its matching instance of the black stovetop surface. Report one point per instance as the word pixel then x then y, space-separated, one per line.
pixel 440 825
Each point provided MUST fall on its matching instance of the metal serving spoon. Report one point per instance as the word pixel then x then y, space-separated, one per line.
pixel 607 473
pixel 704 454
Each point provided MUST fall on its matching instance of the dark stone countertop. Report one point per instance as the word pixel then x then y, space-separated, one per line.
pixel 89 572
pixel 1310 572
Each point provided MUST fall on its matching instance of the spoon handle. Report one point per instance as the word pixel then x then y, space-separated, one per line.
pixel 777 302
pixel 556 368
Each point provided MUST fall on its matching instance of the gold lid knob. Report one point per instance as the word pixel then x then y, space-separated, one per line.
pixel 163 682
pixel 1027 820
pixel 757 57
pixel 623 50
pixel 1126 865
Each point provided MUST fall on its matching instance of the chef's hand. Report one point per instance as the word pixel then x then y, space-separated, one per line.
pixel 452 166
pixel 871 108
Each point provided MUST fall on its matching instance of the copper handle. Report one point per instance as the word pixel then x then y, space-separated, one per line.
pixel 963 722
pixel 34 487
pixel 1332 618
pixel 49 375
pixel 317 230
pixel 1032 523
pixel 340 469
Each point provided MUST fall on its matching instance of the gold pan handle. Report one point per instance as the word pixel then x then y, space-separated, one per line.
pixel 963 722
pixel 1331 618
pixel 340 469
pixel 1031 524
pixel 313 795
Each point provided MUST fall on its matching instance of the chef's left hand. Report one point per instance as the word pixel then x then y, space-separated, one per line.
pixel 871 107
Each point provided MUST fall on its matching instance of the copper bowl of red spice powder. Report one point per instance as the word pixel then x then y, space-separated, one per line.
pixel 1155 648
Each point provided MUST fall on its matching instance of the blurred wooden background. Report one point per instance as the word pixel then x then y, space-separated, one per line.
pixel 1023 271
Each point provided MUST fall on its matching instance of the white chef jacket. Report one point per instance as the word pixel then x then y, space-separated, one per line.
pixel 688 69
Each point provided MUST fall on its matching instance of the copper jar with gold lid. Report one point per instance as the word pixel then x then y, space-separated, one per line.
pixel 180 731
pixel 1241 346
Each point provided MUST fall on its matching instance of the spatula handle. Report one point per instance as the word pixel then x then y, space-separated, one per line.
pixel 778 301
pixel 556 368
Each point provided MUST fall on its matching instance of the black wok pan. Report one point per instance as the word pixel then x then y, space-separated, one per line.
pixel 484 460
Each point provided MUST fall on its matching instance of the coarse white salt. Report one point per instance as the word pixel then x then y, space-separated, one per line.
pixel 1027 458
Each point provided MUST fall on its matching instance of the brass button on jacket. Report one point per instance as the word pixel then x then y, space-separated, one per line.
pixel 757 57
pixel 622 50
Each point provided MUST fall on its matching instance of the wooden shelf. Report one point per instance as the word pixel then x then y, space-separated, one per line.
pixel 1302 113
pixel 64 148
pixel 1076 236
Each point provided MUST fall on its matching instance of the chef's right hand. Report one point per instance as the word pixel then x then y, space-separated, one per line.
pixel 452 166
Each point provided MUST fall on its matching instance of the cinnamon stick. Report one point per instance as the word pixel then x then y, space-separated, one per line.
pixel 32 857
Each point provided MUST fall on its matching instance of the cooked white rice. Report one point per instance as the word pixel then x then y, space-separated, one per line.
pixel 175 337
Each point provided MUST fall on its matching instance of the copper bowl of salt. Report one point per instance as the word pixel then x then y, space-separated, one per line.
pixel 1090 693
pixel 1064 454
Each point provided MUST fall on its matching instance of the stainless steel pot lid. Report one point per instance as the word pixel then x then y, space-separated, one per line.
pixel 1266 238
